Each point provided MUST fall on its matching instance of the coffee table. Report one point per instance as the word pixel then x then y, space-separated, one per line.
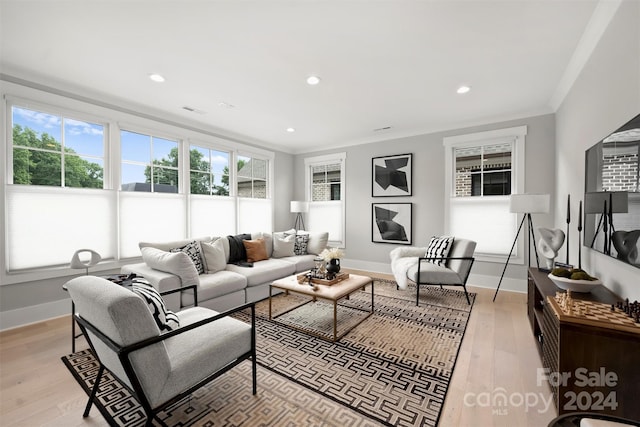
pixel 332 293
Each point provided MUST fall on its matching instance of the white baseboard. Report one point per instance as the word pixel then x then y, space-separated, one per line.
pixel 33 314
pixel 37 313
pixel 479 280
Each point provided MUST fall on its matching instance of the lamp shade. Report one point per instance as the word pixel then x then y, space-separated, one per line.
pixel 529 203
pixel 299 206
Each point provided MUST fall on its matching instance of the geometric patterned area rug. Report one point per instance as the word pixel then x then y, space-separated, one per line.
pixel 392 369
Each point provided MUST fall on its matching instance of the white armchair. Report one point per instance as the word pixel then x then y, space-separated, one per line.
pixel 411 263
pixel 158 368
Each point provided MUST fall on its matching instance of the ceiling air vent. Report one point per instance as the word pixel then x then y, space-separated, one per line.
pixel 193 110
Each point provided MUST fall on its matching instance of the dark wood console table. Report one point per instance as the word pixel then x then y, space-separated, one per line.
pixel 591 366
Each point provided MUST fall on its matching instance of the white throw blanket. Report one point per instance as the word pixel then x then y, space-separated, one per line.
pixel 402 259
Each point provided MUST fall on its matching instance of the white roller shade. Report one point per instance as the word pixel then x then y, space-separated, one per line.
pixel 486 220
pixel 327 216
pixel 254 215
pixel 212 216
pixel 151 217
pixel 46 225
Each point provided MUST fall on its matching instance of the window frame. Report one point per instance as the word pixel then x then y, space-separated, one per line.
pixel 62 113
pixel 517 136
pixel 113 118
pixel 325 160
pixel 161 134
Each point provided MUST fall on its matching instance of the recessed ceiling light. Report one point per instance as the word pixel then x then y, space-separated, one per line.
pixel 156 77
pixel 463 89
pixel 290 130
pixel 313 80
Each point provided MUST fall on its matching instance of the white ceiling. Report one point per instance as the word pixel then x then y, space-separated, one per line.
pixel 382 63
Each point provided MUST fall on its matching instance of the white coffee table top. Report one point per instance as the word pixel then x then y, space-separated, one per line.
pixel 333 292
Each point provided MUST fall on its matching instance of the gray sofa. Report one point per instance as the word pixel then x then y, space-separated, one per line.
pixel 222 285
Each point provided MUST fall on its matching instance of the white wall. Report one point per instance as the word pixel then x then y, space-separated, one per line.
pixel 605 96
pixel 428 194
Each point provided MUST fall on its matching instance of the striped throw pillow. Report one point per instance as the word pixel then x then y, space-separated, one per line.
pixel 166 319
pixel 439 247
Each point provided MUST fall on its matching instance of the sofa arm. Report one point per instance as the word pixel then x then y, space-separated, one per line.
pixel 160 280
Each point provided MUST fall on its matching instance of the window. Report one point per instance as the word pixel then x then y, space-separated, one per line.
pixel 55 150
pixel 62 186
pixel 149 163
pixel 209 171
pixel 483 169
pixel 325 183
pixel 252 177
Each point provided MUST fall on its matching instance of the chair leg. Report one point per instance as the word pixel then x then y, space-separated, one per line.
pixel 417 294
pixel 466 294
pixel 94 391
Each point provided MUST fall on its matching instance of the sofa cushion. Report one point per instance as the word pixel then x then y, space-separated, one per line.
pixel 237 252
pixel 264 271
pixel 192 249
pixel 177 263
pixel 301 262
pixel 164 318
pixel 317 242
pixel 215 285
pixel 256 250
pixel 283 246
pixel 268 241
pixel 213 255
pixel 167 246
pixel 301 242
pixel 439 247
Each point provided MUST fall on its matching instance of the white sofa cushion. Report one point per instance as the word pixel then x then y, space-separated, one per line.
pixel 215 285
pixel 317 242
pixel 214 256
pixel 193 250
pixel 283 245
pixel 177 263
pixel 264 271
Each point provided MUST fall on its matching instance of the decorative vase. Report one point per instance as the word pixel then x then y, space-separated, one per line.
pixel 333 266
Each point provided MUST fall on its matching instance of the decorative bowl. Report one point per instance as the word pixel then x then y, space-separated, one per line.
pixel 583 286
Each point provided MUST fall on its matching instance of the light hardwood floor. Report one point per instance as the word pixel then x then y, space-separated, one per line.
pixel 498 358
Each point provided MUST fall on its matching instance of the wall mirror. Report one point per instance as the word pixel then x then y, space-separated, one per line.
pixel 612 194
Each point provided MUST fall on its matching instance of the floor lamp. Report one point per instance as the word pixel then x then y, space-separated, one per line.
pixel 525 204
pixel 299 208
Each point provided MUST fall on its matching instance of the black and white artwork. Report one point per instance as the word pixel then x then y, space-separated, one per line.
pixel 391 223
pixel 391 175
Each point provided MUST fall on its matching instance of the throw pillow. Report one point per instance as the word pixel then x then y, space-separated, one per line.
pixel 317 242
pixel 214 256
pixel 301 242
pixel 256 250
pixel 166 319
pixel 283 246
pixel 177 263
pixel 193 250
pixel 439 247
